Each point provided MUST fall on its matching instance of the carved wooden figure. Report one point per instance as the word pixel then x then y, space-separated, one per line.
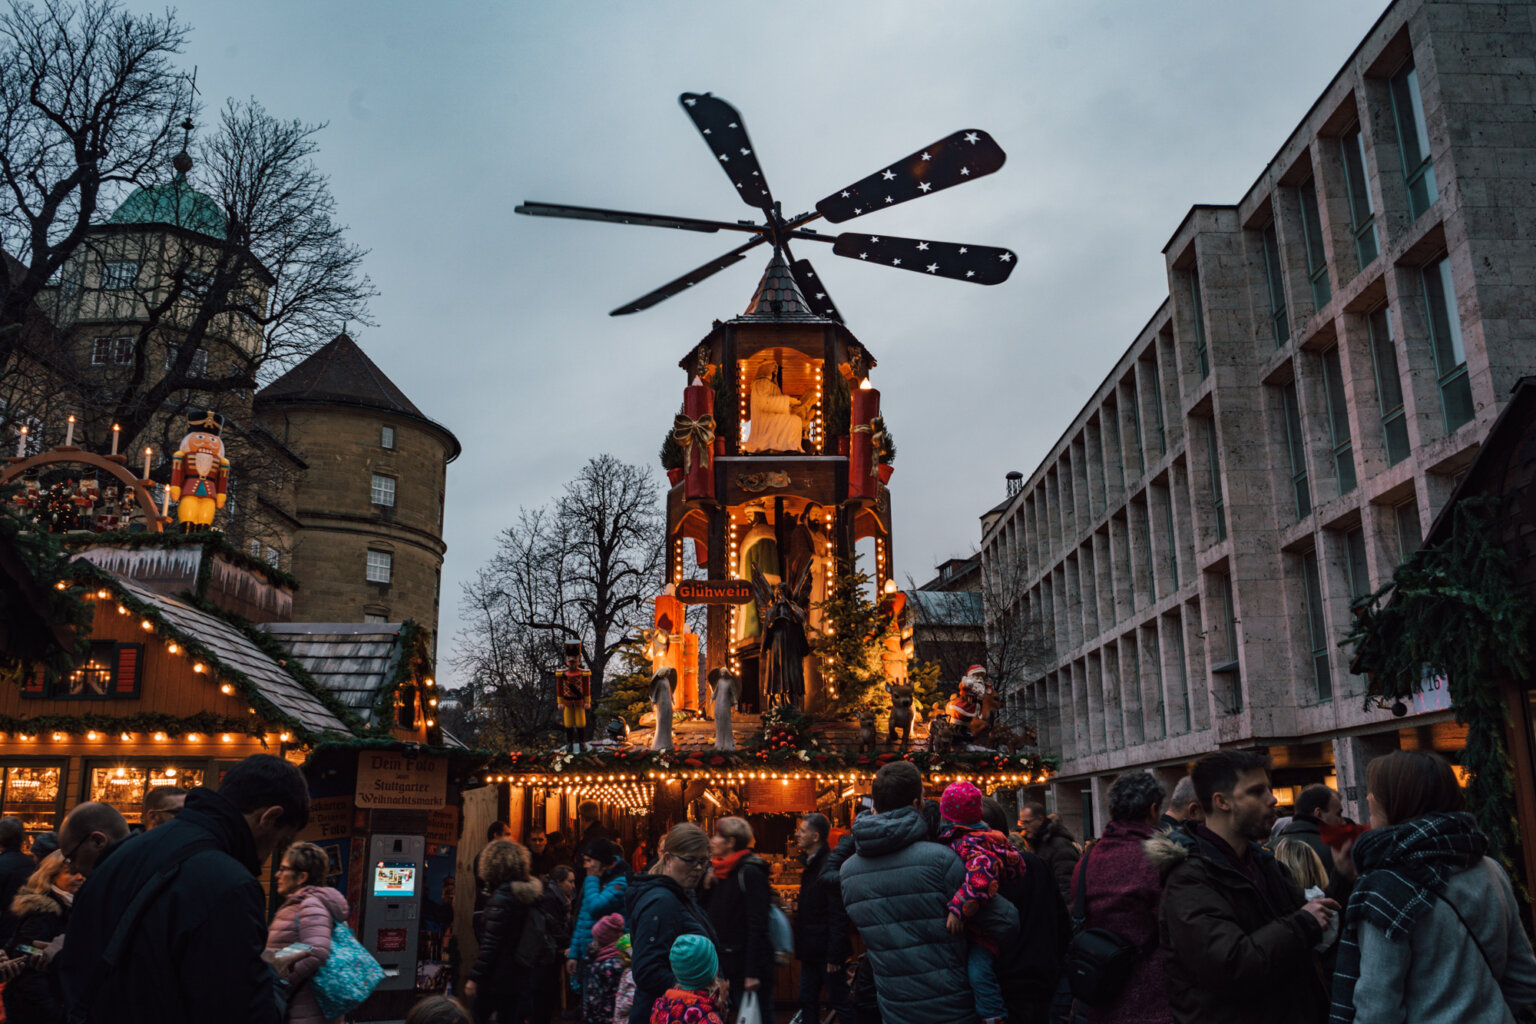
pixel 866 732
pixel 727 690
pixel 661 700
pixel 901 714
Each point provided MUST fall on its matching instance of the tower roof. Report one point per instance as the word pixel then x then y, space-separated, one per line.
pixel 175 203
pixel 777 296
pixel 340 373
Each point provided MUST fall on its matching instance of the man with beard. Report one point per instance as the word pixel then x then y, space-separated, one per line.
pixel 1237 935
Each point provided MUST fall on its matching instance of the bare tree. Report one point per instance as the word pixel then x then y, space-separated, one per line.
pixel 583 568
pixel 89 104
pixel 1019 644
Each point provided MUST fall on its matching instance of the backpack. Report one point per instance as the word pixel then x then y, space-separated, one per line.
pixel 348 975
pixel 536 947
pixel 1098 961
pixel 781 934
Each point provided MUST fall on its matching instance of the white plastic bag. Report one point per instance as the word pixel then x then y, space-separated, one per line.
pixel 748 1013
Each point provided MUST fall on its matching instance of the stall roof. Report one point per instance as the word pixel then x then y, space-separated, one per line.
pixel 237 651
pixel 354 660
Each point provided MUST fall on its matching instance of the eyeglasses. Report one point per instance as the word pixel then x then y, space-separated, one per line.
pixel 289 870
pixel 69 858
pixel 693 862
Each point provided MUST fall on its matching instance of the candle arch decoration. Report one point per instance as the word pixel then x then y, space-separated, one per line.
pixel 116 466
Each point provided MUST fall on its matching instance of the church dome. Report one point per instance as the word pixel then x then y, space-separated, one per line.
pixel 177 204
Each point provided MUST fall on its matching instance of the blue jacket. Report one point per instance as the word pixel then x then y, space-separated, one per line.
pixel 896 889
pixel 658 911
pixel 601 895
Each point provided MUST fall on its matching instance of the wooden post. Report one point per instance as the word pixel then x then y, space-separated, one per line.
pixel 717 637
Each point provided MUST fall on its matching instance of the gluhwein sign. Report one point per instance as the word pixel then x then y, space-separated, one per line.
pixel 714 591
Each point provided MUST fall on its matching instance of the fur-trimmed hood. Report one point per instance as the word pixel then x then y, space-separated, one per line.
pixel 527 891
pixel 37 903
pixel 1168 849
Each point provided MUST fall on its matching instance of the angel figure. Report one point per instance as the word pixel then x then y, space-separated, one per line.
pixel 781 666
pixel 661 700
pixel 727 692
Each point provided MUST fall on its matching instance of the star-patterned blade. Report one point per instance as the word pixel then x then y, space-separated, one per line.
pixel 688 280
pixel 978 264
pixel 651 220
pixel 726 136
pixel 953 160
pixel 814 291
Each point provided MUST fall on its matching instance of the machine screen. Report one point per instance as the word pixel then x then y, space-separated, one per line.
pixel 394 879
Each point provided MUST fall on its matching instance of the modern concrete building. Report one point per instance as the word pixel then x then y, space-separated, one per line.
pixel 1331 354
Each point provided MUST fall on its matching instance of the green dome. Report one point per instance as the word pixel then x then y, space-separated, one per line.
pixel 176 203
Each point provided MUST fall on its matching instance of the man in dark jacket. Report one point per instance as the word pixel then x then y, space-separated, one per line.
pixel 1235 930
pixel 195 951
pixel 1029 967
pixel 1052 843
pixel 15 867
pixel 1315 807
pixel 821 936
pixel 897 889
pixel 1183 805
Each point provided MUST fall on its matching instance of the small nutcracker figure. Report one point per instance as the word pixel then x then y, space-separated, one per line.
pixel 573 692
pixel 199 471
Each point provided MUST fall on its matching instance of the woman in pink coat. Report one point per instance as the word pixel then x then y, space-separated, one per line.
pixel 309 914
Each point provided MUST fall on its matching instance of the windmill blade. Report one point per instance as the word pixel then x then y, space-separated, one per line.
pixel 688 280
pixel 953 160
pixel 978 264
pixel 650 220
pixel 725 133
pixel 814 291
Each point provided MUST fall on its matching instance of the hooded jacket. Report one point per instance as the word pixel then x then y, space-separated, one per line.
pixel 601 895
pixel 1231 952
pixel 1123 891
pixel 896 890
pixel 506 914
pixel 658 910
pixel 33 996
pixel 196 954
pixel 309 915
pixel 1029 967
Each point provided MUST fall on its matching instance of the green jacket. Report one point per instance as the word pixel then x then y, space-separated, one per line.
pixel 1229 954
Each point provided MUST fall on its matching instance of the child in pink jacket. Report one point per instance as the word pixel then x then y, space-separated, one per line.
pixel 989 859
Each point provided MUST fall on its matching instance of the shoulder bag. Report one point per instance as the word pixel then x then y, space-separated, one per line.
pixel 1098 961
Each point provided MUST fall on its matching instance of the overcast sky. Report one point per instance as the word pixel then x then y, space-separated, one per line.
pixel 1116 118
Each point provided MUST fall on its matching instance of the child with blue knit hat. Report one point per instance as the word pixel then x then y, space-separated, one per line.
pixel 695 965
pixel 989 859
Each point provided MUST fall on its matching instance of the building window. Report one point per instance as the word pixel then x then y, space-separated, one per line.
pixel 1227 607
pixel 387 437
pixel 111 351
pixel 373 617
pixel 1445 339
pixel 380 564
pixel 1354 564
pixel 123 785
pixel 34 794
pixel 1278 319
pixel 1197 312
pixel 1218 506
pixel 1157 406
pixel 110 672
pixel 1413 139
pixel 119 274
pixel 1296 445
pixel 1312 237
pixel 1362 213
pixel 1173 550
pixel 383 490
pixel 1317 629
pixel 1338 422
pixel 1389 386
pixel 1410 535
pixel 255 549
pixel 197 368
pixel 274 557
pixel 1135 411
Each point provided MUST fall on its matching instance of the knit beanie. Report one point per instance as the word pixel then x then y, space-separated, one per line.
pixel 604 851
pixel 961 804
pixel 694 962
pixel 607 929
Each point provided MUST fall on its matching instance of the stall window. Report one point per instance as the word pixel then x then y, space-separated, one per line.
pixel 33 793
pixel 111 671
pixel 123 785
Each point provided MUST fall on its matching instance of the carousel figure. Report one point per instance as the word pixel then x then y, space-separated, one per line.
pixel 573 692
pixel 778 420
pixel 782 610
pixel 199 472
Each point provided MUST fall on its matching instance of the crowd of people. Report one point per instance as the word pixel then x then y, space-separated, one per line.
pixel 1191 907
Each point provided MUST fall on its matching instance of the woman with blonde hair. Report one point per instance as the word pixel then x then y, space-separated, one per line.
pixel 309 914
pixel 41 909
pixel 495 984
pixel 660 907
pixel 1306 867
pixel 1433 928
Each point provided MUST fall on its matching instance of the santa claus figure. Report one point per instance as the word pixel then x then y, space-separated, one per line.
pixel 967 706
pixel 199 472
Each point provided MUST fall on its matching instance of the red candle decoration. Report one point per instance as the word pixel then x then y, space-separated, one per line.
pixel 698 424
pixel 866 406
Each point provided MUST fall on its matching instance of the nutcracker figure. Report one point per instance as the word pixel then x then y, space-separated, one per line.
pixel 199 471
pixel 573 692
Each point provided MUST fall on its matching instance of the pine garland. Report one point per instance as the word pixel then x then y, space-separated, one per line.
pixel 147 722
pixel 48 564
pixel 1456 610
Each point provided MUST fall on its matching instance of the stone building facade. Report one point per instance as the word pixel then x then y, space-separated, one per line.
pixel 1331 354
pixel 369 503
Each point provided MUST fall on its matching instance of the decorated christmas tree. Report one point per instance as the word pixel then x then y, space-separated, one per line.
pixel 851 641
pixel 56 512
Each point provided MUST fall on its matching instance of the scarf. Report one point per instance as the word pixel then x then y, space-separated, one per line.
pixel 1403 868
pixel 725 865
pixel 64 896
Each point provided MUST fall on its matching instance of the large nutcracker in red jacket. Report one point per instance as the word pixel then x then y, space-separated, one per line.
pixel 573 692
pixel 199 471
